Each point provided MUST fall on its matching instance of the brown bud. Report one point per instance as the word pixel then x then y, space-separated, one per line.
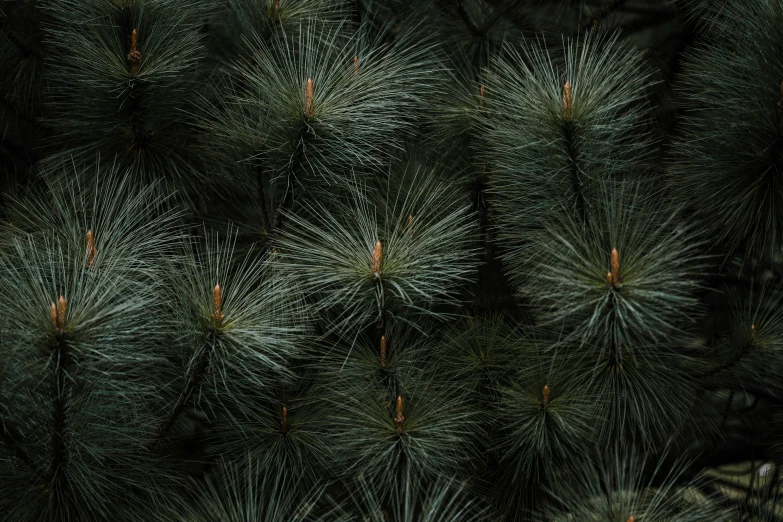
pixel 217 300
pixel 545 402
pixel 284 422
pixel 355 64
pixel 410 223
pixel 631 519
pixel 276 9
pixel 383 351
pixel 309 99
pixel 753 333
pixel 609 278
pixel 481 96
pixel 615 263
pixel 91 250
pixel 568 101
pixel 595 23
pixel 377 256
pixel 134 55
pixel 53 314
pixel 62 308
pixel 399 419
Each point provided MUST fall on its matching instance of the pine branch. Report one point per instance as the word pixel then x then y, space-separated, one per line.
pixel 244 490
pixel 735 360
pixel 61 397
pixel 314 111
pixel 554 127
pixel 332 250
pixel 193 382
pixel 59 462
pixel 245 330
pixel 413 500
pixel 577 185
pixel 122 79
pixel 622 488
pixel 737 162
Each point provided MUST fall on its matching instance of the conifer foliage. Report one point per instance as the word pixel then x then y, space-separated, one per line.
pixel 391 261
pixel 730 73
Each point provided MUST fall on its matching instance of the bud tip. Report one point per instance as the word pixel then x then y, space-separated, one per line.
pixel 399 419
pixel 134 55
pixel 615 265
pixel 309 99
pixel 217 301
pixel 91 250
pixel 62 308
pixel 377 257
pixel 568 101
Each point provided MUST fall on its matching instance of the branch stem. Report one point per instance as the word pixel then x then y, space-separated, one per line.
pixel 577 185
pixel 61 389
pixel 194 378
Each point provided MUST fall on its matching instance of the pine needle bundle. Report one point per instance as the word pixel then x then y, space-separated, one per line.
pixel 554 125
pixel 631 274
pixel 82 335
pixel 627 487
pixel 746 347
pixel 238 326
pixel 247 493
pixel 281 432
pixel 413 501
pixel 122 74
pixel 724 167
pixel 645 395
pixel 422 427
pixel 322 102
pixel 401 253
pixel 545 421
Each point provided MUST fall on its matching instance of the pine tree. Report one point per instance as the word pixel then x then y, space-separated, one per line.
pixel 392 261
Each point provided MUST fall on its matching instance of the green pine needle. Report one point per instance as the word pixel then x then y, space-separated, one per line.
pixel 661 270
pixel 727 168
pixel 331 250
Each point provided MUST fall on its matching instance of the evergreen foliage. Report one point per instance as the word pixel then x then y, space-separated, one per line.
pixel 121 74
pixel 443 501
pixel 629 274
pixel 413 426
pixel 733 72
pixel 550 131
pixel 366 258
pixel 625 492
pixel 391 261
pixel 82 332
